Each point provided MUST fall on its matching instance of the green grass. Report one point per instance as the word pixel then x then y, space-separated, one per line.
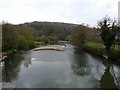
pixel 116 48
pixel 99 49
pixel 94 45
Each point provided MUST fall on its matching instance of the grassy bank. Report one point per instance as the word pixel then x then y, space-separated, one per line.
pixel 99 49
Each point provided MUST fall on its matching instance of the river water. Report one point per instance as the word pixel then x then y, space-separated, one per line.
pixel 69 68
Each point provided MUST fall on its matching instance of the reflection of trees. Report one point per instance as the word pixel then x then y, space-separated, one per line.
pixel 11 67
pixel 107 80
pixel 27 60
pixel 80 65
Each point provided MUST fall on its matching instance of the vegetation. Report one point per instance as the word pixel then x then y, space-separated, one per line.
pixel 79 35
pixel 15 38
pixel 95 40
pixel 98 40
pixel 28 35
pixel 26 40
pixel 10 37
pixel 100 50
pixel 108 33
pixel 59 30
pixel 47 39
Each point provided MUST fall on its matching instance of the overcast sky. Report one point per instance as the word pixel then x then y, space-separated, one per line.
pixel 69 11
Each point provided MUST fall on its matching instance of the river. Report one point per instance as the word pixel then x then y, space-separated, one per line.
pixel 69 68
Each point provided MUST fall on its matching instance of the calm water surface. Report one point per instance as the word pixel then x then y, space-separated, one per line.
pixel 69 69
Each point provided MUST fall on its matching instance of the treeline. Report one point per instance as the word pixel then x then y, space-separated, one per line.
pixel 59 30
pixel 43 40
pixel 16 38
pixel 29 35
pixel 103 40
pixel 82 34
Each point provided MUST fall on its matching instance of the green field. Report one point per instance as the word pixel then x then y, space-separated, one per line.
pixel 94 45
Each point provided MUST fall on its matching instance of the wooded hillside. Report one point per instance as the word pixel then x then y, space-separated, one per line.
pixel 61 30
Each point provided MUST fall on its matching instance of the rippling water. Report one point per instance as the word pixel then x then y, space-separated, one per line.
pixel 69 69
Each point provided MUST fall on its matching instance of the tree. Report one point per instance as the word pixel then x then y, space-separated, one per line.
pixel 26 40
pixel 48 39
pixel 9 37
pixel 23 43
pixel 108 33
pixel 78 36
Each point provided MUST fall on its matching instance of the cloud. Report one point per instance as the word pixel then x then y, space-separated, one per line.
pixel 72 11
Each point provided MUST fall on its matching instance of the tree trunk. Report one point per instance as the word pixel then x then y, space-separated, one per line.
pixel 109 53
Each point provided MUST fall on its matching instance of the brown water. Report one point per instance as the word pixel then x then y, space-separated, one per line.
pixel 69 69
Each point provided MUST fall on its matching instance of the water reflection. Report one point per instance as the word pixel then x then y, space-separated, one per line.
pixel 11 67
pixel 27 63
pixel 67 68
pixel 102 71
pixel 80 65
pixel 27 60
pixel 107 80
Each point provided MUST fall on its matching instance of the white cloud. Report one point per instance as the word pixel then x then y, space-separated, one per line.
pixel 72 11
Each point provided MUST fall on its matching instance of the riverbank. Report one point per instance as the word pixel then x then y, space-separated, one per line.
pixel 4 55
pixel 50 66
pixel 50 47
pixel 99 50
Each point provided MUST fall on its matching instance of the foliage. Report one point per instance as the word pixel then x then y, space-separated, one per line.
pixel 16 38
pixel 52 39
pixel 108 33
pixel 99 49
pixel 23 44
pixel 47 39
pixel 26 38
pixel 94 44
pixel 60 30
pixel 93 35
pixel 101 45
pixel 78 36
pixel 9 37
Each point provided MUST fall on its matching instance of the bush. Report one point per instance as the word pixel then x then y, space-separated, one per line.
pixel 78 36
pixel 23 44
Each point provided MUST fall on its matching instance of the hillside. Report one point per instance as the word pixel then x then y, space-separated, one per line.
pixel 61 30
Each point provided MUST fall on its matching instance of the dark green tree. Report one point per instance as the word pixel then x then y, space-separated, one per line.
pixel 9 37
pixel 26 40
pixel 108 33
